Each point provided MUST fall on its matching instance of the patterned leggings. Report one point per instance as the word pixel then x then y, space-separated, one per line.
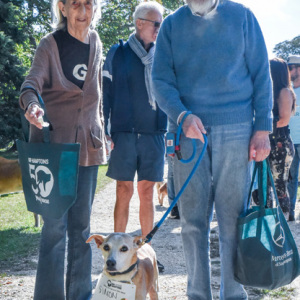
pixel 281 156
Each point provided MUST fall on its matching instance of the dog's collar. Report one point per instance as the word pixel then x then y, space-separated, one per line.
pixel 126 271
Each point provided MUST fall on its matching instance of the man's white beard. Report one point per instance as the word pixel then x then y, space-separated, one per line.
pixel 201 7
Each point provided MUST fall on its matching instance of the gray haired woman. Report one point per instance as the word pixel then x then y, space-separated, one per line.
pixel 66 72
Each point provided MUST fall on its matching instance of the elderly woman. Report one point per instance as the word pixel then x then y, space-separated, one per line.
pixel 282 149
pixel 66 72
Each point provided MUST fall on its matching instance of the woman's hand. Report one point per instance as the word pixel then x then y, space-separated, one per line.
pixel 33 113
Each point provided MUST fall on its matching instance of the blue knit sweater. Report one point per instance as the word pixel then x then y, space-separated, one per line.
pixel 215 66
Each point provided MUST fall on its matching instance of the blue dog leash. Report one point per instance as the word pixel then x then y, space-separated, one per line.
pixel 150 235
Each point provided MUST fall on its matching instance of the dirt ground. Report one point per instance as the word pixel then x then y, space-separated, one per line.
pixel 18 283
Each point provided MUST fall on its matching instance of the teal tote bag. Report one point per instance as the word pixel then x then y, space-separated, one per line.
pixel 49 173
pixel 267 255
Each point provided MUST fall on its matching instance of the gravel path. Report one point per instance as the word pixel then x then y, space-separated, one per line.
pixel 18 283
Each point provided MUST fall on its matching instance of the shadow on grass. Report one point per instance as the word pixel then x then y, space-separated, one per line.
pixel 18 246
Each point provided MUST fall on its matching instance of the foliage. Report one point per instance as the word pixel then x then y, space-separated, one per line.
pixel 117 20
pixel 19 28
pixel 11 70
pixel 286 48
pixel 23 23
pixel 172 5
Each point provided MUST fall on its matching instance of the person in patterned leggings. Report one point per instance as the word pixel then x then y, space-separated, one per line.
pixel 282 148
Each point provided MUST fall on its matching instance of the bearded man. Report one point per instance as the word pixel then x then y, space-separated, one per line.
pixel 211 60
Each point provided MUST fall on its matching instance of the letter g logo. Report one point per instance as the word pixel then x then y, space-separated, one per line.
pixel 80 71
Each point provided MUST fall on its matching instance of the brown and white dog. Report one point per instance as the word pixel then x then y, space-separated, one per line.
pixel 11 179
pixel 10 176
pixel 162 191
pixel 127 260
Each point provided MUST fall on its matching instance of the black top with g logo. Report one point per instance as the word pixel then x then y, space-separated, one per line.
pixel 74 56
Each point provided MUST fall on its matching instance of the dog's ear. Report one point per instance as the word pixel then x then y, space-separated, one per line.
pixel 98 239
pixel 138 241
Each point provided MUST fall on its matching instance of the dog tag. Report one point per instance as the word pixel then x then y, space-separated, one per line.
pixel 107 289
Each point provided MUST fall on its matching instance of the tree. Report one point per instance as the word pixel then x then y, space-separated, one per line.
pixel 11 70
pixel 117 21
pixel 287 48
pixel 172 5
pixel 18 35
pixel 23 23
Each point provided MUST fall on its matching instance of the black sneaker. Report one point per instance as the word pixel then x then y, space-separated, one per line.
pixel 291 218
pixel 174 213
pixel 161 268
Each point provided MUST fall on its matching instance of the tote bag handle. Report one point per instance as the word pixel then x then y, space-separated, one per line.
pixel 46 130
pixel 263 170
pixel 251 186
pixel 260 170
pixel 262 177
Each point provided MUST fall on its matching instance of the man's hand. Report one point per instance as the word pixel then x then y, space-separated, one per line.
pixel 33 113
pixel 109 144
pixel 193 128
pixel 259 148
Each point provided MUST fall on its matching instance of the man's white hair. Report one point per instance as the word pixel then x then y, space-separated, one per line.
pixel 60 22
pixel 144 8
pixel 201 7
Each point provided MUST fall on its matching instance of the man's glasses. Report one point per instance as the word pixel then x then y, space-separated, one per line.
pixel 292 67
pixel 156 24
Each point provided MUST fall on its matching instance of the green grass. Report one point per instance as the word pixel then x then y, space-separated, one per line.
pixel 102 180
pixel 283 293
pixel 19 238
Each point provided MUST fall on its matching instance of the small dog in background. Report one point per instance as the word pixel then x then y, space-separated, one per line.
pixel 11 180
pixel 127 260
pixel 162 191
pixel 10 176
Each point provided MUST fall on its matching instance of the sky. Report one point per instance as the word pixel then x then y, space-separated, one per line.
pixel 278 19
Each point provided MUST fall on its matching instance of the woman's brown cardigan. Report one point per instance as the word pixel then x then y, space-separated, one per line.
pixel 75 114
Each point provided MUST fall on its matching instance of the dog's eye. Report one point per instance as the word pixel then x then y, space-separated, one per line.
pixel 106 247
pixel 124 249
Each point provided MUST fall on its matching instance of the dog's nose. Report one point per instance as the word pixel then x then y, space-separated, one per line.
pixel 111 264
